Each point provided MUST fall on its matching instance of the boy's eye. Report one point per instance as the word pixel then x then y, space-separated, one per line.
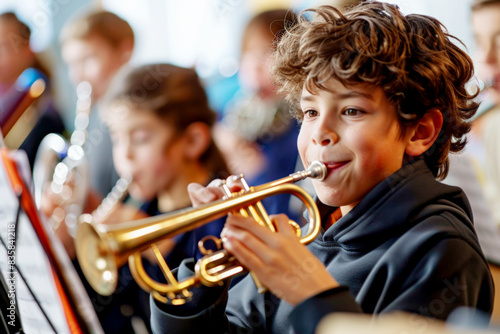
pixel 352 112
pixel 310 113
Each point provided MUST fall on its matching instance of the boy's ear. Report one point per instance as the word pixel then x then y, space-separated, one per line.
pixel 425 133
pixel 198 137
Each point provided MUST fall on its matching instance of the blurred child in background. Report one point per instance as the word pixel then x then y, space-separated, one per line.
pixel 16 56
pixel 257 133
pixel 95 46
pixel 161 129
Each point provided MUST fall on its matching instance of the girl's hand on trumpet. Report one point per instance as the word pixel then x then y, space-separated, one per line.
pixel 282 264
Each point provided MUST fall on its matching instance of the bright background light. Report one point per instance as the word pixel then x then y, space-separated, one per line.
pixel 204 34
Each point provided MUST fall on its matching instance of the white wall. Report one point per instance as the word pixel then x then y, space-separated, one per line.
pixel 206 32
pixel 201 33
pixel 454 14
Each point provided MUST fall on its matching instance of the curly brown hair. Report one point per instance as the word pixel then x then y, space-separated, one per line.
pixel 412 58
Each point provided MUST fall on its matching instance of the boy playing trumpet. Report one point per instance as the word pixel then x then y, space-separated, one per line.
pixel 382 99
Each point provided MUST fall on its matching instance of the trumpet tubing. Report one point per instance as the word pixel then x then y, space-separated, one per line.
pixel 102 249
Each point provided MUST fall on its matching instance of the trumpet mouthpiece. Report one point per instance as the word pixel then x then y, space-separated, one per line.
pixel 317 170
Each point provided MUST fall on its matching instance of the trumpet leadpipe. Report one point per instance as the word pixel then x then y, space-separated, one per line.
pixel 316 170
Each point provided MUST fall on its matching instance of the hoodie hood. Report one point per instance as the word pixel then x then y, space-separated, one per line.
pixel 396 205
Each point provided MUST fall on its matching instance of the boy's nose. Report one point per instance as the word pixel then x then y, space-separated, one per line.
pixel 325 136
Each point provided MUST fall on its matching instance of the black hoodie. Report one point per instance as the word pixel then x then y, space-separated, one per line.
pixel 409 245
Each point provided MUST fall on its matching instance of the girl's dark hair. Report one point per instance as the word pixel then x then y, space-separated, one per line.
pixel 412 58
pixel 174 94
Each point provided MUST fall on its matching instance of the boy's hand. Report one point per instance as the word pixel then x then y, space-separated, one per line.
pixel 282 264
pixel 201 195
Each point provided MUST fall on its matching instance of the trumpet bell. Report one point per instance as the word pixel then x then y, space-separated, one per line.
pixel 101 262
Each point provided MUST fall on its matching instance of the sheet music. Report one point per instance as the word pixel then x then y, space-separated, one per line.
pixel 31 261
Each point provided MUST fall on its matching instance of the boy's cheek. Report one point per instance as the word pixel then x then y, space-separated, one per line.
pixel 302 148
pixel 327 200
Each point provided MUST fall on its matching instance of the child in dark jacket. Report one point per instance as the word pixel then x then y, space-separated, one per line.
pixel 161 129
pixel 382 100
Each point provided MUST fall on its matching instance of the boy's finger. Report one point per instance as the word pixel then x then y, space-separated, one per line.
pixel 234 182
pixel 234 233
pixel 263 233
pixel 282 223
pixel 200 194
pixel 242 251
pixel 251 249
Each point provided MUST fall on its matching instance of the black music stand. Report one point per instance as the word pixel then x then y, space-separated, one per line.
pixel 41 282
pixel 38 281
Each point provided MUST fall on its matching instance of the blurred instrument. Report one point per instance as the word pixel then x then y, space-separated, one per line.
pixel 27 88
pixel 102 249
pixel 63 167
pixel 254 118
pixel 117 194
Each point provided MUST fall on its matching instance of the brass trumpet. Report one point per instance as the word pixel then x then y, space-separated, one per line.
pixel 102 249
